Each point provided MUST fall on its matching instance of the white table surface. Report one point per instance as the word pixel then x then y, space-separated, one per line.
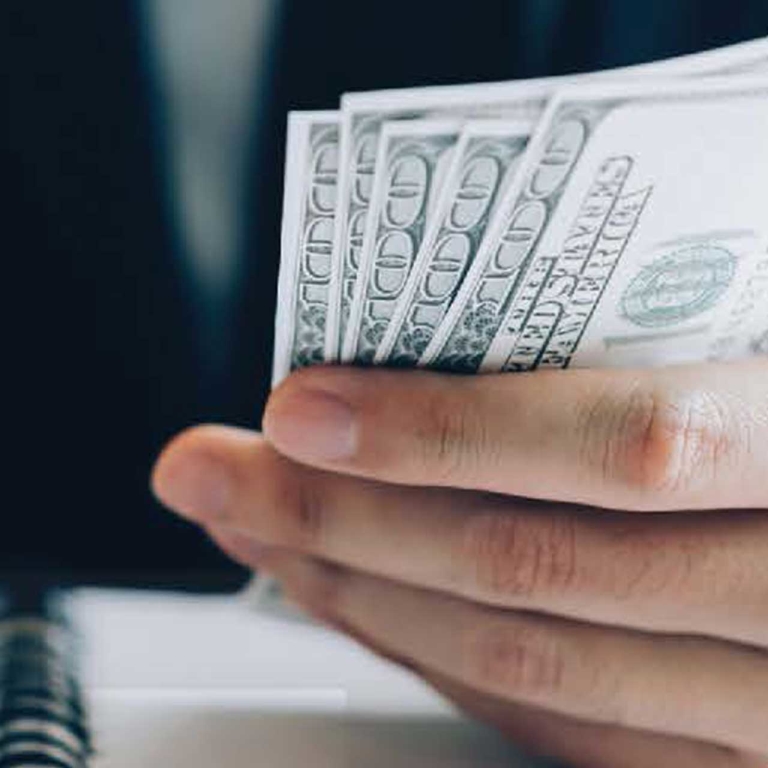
pixel 206 681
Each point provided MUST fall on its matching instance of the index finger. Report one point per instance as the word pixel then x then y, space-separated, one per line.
pixel 693 437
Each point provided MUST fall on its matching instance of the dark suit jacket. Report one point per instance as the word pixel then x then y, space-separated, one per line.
pixel 101 361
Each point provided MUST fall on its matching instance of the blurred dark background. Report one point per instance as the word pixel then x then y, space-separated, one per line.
pixel 142 162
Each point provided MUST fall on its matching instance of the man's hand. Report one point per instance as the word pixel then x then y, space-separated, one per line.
pixel 466 528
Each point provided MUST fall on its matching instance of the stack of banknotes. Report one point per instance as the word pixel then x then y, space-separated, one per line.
pixel 617 218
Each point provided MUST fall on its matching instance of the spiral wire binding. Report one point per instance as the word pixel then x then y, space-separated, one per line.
pixel 42 720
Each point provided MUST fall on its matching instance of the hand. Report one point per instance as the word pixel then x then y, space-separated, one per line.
pixel 390 505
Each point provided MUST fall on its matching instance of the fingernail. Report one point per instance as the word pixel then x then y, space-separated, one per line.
pixel 193 484
pixel 311 425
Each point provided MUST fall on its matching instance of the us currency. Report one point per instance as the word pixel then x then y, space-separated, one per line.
pixel 364 114
pixel 623 203
pixel 413 158
pixel 309 206
pixel 485 160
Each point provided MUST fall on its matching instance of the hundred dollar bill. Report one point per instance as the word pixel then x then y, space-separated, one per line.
pixel 413 157
pixel 309 209
pixel 364 114
pixel 484 163
pixel 626 225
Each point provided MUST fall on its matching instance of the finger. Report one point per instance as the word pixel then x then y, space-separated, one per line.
pixel 704 574
pixel 581 744
pixel 690 687
pixel 678 438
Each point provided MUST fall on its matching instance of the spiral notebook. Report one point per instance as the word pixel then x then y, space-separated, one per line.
pixel 42 719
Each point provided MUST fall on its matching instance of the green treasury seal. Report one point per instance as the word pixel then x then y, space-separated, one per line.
pixel 679 286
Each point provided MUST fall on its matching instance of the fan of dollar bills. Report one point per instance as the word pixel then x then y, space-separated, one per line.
pixel 611 219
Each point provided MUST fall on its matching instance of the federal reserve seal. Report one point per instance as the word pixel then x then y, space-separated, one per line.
pixel 679 286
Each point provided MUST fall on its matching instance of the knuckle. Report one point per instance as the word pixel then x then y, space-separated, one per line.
pixel 653 563
pixel 659 441
pixel 306 514
pixel 516 659
pixel 452 437
pixel 509 557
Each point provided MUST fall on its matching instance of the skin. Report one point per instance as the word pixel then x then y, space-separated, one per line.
pixel 577 557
